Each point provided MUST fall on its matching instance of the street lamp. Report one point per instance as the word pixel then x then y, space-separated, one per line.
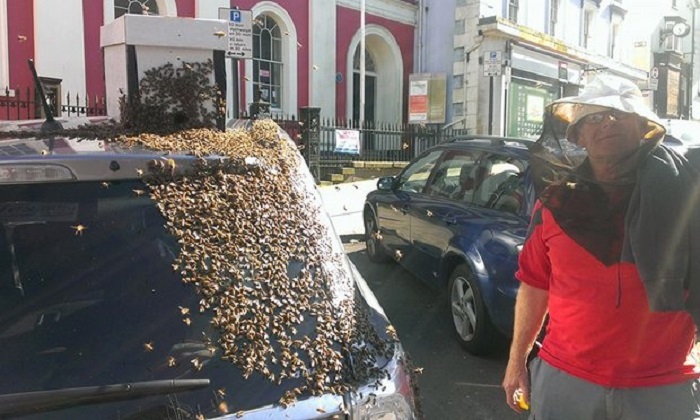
pixel 694 5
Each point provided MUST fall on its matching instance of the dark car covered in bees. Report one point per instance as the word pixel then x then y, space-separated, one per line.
pixel 192 275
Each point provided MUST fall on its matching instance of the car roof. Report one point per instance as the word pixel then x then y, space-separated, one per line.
pixel 487 143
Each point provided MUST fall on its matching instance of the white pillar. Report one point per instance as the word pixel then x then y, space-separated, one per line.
pixel 322 56
pixel 4 51
pixel 362 60
pixel 59 43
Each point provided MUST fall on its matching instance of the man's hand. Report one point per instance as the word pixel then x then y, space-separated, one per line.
pixel 516 380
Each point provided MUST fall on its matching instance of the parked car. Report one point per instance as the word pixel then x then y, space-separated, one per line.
pixel 457 217
pixel 682 135
pixel 141 284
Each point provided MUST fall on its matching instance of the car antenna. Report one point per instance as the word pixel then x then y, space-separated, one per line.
pixel 50 124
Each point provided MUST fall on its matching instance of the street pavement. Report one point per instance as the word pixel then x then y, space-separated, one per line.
pixel 344 203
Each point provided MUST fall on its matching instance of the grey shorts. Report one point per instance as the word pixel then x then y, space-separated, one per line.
pixel 556 395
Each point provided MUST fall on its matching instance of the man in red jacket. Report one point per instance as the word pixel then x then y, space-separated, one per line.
pixel 614 284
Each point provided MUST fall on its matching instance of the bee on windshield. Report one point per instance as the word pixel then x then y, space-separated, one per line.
pixel 79 229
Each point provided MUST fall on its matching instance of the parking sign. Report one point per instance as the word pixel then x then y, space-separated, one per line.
pixel 240 32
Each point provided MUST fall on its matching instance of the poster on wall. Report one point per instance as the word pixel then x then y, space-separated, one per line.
pixel 526 104
pixel 347 141
pixel 427 96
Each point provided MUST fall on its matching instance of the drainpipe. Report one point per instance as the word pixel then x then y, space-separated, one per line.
pixel 421 9
pixel 362 63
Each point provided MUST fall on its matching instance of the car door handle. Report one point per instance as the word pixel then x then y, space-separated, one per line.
pixel 449 219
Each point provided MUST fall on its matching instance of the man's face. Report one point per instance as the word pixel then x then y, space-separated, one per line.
pixel 610 134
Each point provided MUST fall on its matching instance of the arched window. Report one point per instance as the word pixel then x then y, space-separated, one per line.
pixel 267 61
pixel 369 61
pixel 135 7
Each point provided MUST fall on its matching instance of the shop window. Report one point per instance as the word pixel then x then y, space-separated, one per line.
pixel 267 61
pixel 135 7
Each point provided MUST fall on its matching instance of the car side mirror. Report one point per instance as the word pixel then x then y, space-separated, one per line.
pixel 386 183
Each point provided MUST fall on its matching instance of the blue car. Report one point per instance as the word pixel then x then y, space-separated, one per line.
pixel 456 217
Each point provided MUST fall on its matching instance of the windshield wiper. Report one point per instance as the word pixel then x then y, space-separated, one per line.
pixel 41 401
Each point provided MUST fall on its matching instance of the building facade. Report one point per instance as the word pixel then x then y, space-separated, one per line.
pixel 306 52
pixel 512 57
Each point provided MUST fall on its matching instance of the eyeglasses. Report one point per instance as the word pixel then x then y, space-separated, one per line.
pixel 600 116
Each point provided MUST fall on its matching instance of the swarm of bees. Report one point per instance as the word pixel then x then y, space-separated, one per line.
pixel 243 222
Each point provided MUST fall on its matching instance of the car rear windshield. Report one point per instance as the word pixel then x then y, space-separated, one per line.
pixel 89 297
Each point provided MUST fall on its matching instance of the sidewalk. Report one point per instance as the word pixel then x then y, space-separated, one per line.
pixel 344 203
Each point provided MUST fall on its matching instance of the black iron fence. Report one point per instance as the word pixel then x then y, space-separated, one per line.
pixel 25 104
pixel 329 144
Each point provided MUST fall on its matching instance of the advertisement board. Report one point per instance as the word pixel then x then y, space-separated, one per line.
pixel 427 97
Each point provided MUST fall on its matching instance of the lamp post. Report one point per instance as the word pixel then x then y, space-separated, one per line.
pixel 694 5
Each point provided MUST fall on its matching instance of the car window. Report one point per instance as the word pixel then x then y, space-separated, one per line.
pixel 499 184
pixel 415 176
pixel 89 297
pixel 454 175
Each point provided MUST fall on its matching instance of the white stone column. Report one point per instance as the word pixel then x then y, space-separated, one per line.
pixel 4 51
pixel 59 43
pixel 322 55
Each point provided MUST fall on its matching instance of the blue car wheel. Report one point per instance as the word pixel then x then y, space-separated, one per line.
pixel 471 321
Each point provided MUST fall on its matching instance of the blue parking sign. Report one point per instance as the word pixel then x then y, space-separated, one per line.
pixel 235 16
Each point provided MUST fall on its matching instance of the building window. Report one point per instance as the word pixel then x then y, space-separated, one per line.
pixel 615 42
pixel 267 61
pixel 513 10
pixel 458 81
pixel 369 61
pixel 458 109
pixel 135 7
pixel 587 26
pixel 553 16
pixel 459 27
pixel 458 54
pixel 672 42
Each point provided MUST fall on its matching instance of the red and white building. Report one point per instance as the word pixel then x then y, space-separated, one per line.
pixel 306 51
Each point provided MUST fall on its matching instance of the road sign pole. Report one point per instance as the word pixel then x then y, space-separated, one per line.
pixel 235 103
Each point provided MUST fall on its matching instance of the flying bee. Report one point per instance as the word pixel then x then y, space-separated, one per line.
pixel 418 370
pixel 223 407
pixel 220 33
pixel 183 310
pixel 398 255
pixel 429 213
pixel 171 361
pixel 79 229
pixel 221 392
pixel 187 321
pixel 148 346
pixel 199 416
pixel 139 192
pixel 139 172
pixel 197 363
pixel 105 185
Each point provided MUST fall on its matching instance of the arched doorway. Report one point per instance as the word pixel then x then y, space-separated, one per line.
pixel 383 83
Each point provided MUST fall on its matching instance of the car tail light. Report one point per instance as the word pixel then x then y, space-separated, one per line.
pixel 28 173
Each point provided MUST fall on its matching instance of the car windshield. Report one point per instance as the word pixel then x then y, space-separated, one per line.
pixel 89 297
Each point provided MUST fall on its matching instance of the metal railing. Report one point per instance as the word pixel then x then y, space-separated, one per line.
pixel 24 104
